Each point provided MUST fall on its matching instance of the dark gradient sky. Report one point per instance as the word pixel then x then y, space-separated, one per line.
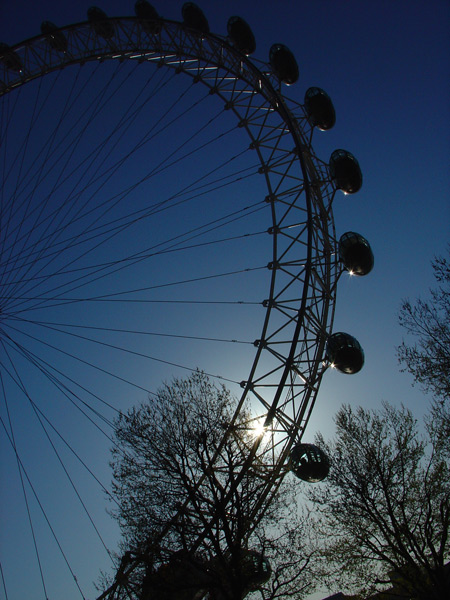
pixel 386 66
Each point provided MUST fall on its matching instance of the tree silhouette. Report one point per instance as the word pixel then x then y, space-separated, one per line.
pixel 184 504
pixel 385 507
pixel 428 357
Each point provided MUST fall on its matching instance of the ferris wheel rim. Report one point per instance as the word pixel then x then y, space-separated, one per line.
pixel 277 101
pixel 265 87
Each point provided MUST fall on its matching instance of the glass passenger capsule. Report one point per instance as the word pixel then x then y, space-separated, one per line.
pixel 309 463
pixel 345 171
pixel 180 578
pixel 99 20
pixel 355 253
pixel 319 108
pixel 344 352
pixel 283 63
pixel 241 35
pixel 9 58
pixel 194 18
pixel 149 17
pixel 255 568
pixel 55 38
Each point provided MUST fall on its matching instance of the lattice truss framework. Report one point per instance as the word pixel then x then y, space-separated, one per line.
pixel 288 365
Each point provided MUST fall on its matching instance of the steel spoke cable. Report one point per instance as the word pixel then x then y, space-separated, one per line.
pixel 7 115
pixel 136 184
pixel 170 250
pixel 47 520
pixel 20 176
pixel 3 144
pixel 72 147
pixel 146 301
pixel 119 197
pixel 62 388
pixel 96 176
pixel 123 124
pixel 39 361
pixel 63 466
pixel 135 258
pixel 22 482
pixel 80 460
pixel 99 107
pixel 87 363
pixel 41 206
pixel 69 97
pixel 71 100
pixel 117 264
pixel 87 202
pixel 238 175
pixel 37 175
pixel 147 288
pixel 175 247
pixel 3 581
pixel 37 178
pixel 204 229
pixel 20 158
pixel 120 349
pixel 60 460
pixel 69 394
pixel 102 229
pixel 145 213
pixel 56 327
pixel 77 456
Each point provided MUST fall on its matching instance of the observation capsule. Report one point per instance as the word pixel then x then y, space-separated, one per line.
pixel 99 20
pixel 194 18
pixel 344 352
pixel 255 568
pixel 319 108
pixel 355 253
pixel 9 58
pixel 345 171
pixel 241 35
pixel 150 19
pixel 283 63
pixel 181 577
pixel 309 463
pixel 55 38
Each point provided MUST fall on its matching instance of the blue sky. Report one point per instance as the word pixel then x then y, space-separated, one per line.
pixel 385 64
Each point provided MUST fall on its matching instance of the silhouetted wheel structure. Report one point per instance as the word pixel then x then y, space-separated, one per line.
pixel 79 244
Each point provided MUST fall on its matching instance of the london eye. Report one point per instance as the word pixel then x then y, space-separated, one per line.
pixel 163 210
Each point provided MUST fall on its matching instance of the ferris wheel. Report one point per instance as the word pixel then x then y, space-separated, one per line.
pixel 163 210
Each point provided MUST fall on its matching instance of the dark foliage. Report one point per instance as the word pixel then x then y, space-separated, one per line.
pixel 184 504
pixel 385 507
pixel 427 358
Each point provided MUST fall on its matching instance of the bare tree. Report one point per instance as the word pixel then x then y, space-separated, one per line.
pixel 426 353
pixel 385 507
pixel 185 503
pixel 427 358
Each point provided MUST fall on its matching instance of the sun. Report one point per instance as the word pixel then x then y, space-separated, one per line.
pixel 259 428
